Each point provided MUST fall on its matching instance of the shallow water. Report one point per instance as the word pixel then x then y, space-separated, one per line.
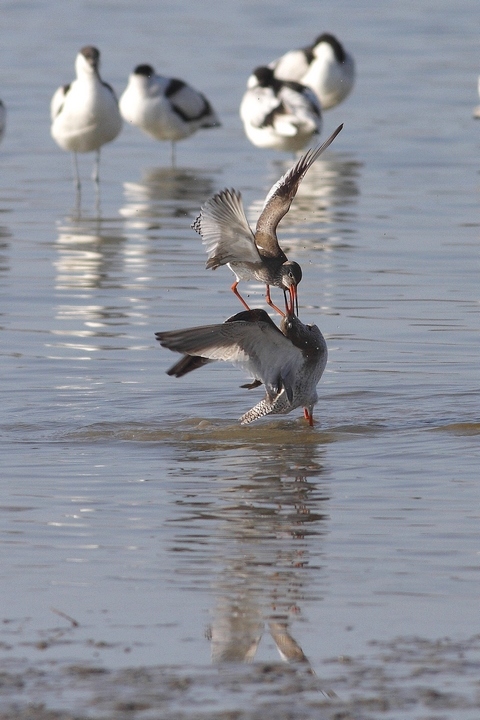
pixel 141 525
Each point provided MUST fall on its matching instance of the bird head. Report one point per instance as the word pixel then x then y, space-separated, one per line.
pixel 291 274
pixel 306 337
pixel 262 76
pixel 145 70
pixel 88 59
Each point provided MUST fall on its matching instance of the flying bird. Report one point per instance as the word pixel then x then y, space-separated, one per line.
pixel 229 240
pixel 289 361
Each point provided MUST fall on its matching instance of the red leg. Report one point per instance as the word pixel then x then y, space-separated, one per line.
pixel 269 302
pixel 308 416
pixel 235 291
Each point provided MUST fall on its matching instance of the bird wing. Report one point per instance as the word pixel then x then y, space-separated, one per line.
pixel 225 231
pixel 278 403
pixel 302 102
pixel 258 104
pixel 255 345
pixel 57 101
pixel 298 111
pixel 187 102
pixel 279 199
pixel 186 364
pixel 291 66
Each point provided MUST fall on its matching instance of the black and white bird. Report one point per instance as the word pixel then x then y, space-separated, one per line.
pixel 85 113
pixel 289 361
pixel 277 114
pixel 324 66
pixel 165 108
pixel 229 240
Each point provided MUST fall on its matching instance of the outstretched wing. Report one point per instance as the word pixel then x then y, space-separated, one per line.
pixel 225 231
pixel 280 197
pixel 256 345
pixel 188 363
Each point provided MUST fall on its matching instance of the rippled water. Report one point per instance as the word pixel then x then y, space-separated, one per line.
pixel 133 503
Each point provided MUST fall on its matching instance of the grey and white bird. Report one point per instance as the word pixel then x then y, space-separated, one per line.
pixel 165 108
pixel 229 240
pixel 324 66
pixel 277 114
pixel 85 113
pixel 289 361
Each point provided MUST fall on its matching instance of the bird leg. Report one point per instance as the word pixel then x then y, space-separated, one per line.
pixel 308 416
pixel 96 168
pixel 75 172
pixel 235 292
pixel 270 302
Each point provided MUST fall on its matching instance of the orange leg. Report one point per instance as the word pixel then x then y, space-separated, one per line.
pixel 308 416
pixel 235 291
pixel 269 301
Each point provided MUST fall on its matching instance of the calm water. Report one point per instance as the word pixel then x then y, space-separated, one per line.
pixel 133 502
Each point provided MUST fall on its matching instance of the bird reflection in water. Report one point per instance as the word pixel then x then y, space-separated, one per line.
pixel 90 252
pixel 162 193
pixel 266 539
pixel 92 259
pixel 4 249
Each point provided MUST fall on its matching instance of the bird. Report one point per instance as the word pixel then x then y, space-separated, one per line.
pixel 165 108
pixel 289 361
pixel 85 113
pixel 3 119
pixel 324 66
pixel 229 240
pixel 277 114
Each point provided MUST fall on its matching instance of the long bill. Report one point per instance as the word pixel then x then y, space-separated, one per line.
pixel 291 304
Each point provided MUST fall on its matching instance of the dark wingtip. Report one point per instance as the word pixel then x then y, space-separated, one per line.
pixel 187 364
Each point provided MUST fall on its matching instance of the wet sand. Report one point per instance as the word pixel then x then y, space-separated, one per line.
pixel 406 678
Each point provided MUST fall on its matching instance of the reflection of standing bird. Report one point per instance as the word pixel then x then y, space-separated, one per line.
pixel 476 112
pixel 279 115
pixel 289 361
pixel 85 113
pixel 324 66
pixel 3 119
pixel 165 108
pixel 229 240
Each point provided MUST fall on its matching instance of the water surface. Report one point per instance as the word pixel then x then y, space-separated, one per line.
pixel 141 525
